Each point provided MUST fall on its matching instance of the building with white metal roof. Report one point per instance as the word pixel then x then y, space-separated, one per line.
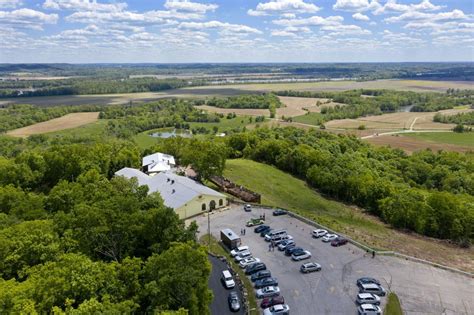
pixel 186 196
pixel 157 162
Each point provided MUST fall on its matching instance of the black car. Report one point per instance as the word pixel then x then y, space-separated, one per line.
pixel 279 212
pixel 260 275
pixel 264 232
pixel 265 282
pixel 367 280
pixel 234 301
pixel 253 268
pixel 260 228
pixel 291 250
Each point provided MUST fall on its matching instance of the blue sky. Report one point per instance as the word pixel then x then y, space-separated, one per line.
pixel 89 31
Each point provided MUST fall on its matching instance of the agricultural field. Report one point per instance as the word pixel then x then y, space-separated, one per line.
pixel 280 189
pixel 411 142
pixel 68 121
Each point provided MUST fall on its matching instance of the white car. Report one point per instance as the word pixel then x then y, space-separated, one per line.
pixel 369 309
pixel 247 261
pixel 238 250
pixel 301 255
pixel 268 292
pixel 227 279
pixel 368 298
pixel 242 255
pixel 329 238
pixel 319 233
pixel 279 309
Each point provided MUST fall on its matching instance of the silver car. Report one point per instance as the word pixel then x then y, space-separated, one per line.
pixel 247 261
pixel 318 233
pixel 372 288
pixel 369 309
pixel 301 255
pixel 279 309
pixel 310 267
pixel 268 292
pixel 329 238
pixel 242 255
pixel 368 298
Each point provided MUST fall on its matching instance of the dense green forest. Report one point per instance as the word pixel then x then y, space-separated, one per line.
pixel 462 118
pixel 264 101
pixel 80 86
pixel 75 240
pixel 364 102
pixel 17 116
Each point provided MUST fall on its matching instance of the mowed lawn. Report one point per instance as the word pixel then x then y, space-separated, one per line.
pixel 280 189
pixel 462 139
pixel 68 121
pixel 96 128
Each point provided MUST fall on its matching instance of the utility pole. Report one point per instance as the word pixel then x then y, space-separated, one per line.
pixel 209 228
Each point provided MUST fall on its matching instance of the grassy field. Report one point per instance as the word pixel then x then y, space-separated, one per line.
pixel 68 121
pixel 393 306
pixel 280 189
pixel 309 119
pixel 462 139
pixel 217 249
pixel 90 130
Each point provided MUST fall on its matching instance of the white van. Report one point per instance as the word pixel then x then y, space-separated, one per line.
pixel 277 234
pixel 372 288
pixel 238 250
pixel 227 279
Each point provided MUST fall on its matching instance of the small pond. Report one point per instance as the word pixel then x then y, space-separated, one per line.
pixel 168 133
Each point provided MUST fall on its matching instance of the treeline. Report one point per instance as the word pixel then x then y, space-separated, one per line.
pixel 82 86
pixel 461 118
pixel 72 240
pixel 429 193
pixel 17 116
pixel 126 121
pixel 264 101
pixel 364 102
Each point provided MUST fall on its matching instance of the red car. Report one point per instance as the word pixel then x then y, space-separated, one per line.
pixel 268 302
pixel 339 242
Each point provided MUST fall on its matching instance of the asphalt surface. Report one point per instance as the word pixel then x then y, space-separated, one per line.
pixel 422 289
pixel 219 303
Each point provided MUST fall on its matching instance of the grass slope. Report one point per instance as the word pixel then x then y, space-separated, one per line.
pixel 280 189
pixel 463 139
pixel 90 130
pixel 393 306
pixel 310 119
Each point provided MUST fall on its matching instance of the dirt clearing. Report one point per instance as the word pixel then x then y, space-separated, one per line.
pixel 65 122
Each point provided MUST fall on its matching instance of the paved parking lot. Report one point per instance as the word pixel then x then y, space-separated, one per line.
pixel 422 289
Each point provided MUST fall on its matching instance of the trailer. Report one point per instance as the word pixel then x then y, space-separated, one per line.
pixel 230 238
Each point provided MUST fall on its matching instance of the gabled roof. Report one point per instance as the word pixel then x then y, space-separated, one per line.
pixel 158 158
pixel 174 189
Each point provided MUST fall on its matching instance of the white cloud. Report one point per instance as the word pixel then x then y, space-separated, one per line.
pixel 360 17
pixel 149 17
pixel 394 6
pixel 83 5
pixel 185 5
pixel 9 4
pixel 311 21
pixel 356 5
pixel 345 30
pixel 27 18
pixel 281 33
pixel 283 6
pixel 421 16
pixel 236 28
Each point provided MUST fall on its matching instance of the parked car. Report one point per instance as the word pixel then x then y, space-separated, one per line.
pixel 278 239
pixel 366 280
pixel 247 208
pixel 265 282
pixel 265 232
pixel 289 246
pixel 301 255
pixel 283 244
pixel 368 298
pixel 260 228
pixel 253 268
pixel 267 302
pixel 369 309
pixel 253 222
pixel 278 212
pixel 242 255
pixel 260 275
pixel 268 292
pixel 227 279
pixel 275 235
pixel 238 250
pixel 372 288
pixel 291 250
pixel 310 267
pixel 279 309
pixel 247 261
pixel 234 301
pixel 318 233
pixel 339 241
pixel 329 238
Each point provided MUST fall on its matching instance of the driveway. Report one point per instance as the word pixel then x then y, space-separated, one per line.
pixel 422 289
pixel 219 303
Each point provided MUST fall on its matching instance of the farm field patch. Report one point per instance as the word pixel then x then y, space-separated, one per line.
pixel 461 139
pixel 68 121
